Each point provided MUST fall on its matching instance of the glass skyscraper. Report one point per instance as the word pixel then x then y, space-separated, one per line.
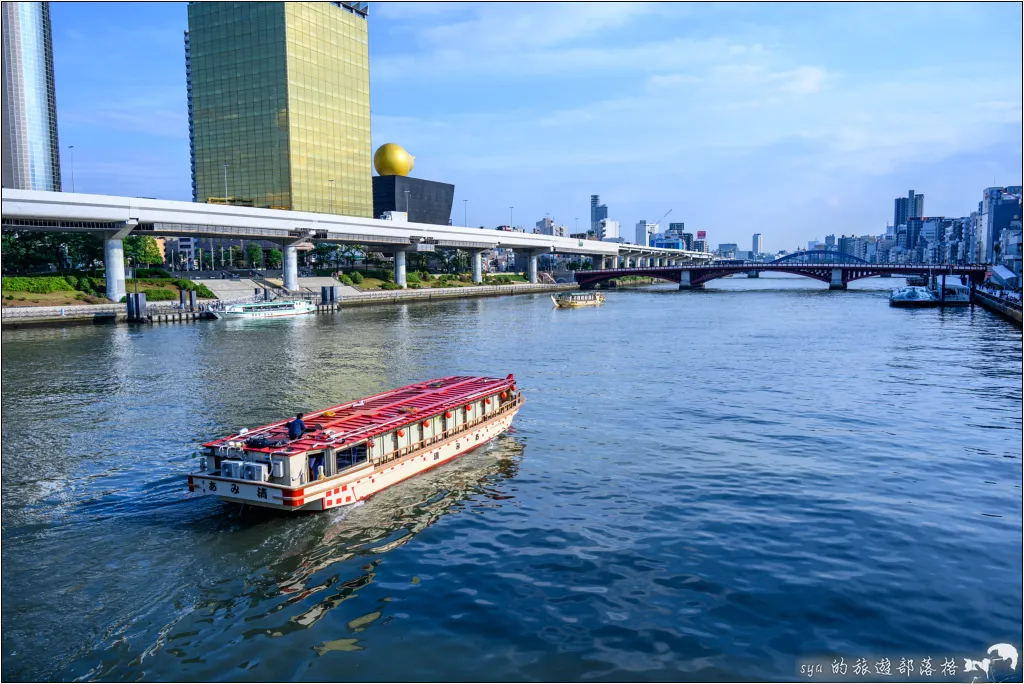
pixel 279 105
pixel 31 151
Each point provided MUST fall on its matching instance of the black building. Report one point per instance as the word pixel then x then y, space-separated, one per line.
pixel 426 201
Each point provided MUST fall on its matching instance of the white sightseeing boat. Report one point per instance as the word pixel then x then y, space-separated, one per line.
pixel 952 295
pixel 351 451
pixel 912 297
pixel 265 309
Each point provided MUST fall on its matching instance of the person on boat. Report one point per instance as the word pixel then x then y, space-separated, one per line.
pixel 296 427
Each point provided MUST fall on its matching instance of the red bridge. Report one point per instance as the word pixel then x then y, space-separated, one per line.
pixel 837 273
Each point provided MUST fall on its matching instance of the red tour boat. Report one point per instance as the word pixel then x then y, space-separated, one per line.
pixel 351 451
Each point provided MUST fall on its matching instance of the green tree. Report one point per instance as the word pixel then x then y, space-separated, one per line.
pixel 323 253
pixel 143 249
pixel 237 257
pixel 352 252
pixel 274 258
pixel 254 253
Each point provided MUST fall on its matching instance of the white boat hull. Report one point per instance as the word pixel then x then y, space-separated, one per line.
pixel 354 485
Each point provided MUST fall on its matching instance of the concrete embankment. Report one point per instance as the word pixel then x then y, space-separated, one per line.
pixel 997 305
pixel 55 316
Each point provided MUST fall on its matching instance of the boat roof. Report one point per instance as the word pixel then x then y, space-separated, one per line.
pixel 355 421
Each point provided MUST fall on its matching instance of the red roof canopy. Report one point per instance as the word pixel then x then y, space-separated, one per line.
pixel 356 421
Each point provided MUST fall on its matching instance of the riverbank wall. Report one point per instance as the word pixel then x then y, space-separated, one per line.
pixel 996 305
pixel 99 314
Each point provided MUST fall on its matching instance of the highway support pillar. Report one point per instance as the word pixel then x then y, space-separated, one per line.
pixel 478 268
pixel 533 266
pixel 291 267
pixel 837 280
pixel 627 261
pixel 113 260
pixel 400 268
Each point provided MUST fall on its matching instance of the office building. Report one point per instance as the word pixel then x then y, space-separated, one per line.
pixel 598 211
pixel 609 230
pixel 727 250
pixel 279 105
pixel 998 208
pixel 911 206
pixel 830 242
pixel 756 245
pixel 547 226
pixel 644 230
pixel 700 245
pixel 31 149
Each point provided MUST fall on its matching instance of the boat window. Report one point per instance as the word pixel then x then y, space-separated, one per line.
pixel 346 458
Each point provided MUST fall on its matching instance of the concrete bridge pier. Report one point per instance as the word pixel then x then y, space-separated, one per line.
pixel 684 281
pixel 400 268
pixel 532 273
pixel 627 262
pixel 837 280
pixel 291 267
pixel 113 261
pixel 478 269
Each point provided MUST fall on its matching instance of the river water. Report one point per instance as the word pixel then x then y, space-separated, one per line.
pixel 701 485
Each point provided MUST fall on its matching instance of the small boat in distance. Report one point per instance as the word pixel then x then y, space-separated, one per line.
pixel 265 309
pixel 573 300
pixel 912 297
pixel 351 451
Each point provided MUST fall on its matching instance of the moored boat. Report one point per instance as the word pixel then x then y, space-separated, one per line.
pixel 351 451
pixel 952 295
pixel 265 309
pixel 912 297
pixel 573 300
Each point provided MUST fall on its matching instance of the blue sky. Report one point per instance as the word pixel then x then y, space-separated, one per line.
pixel 793 120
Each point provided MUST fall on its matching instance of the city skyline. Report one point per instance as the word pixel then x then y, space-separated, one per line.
pixel 506 135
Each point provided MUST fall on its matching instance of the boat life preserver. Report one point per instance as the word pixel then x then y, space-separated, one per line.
pixel 513 388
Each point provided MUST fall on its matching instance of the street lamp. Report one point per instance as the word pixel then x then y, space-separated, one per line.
pixel 510 217
pixel 465 212
pixel 72 149
pixel 225 184
pixel 331 181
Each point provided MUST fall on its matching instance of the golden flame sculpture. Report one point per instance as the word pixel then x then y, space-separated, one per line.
pixel 392 160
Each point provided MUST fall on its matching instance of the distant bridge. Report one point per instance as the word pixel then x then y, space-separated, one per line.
pixel 837 273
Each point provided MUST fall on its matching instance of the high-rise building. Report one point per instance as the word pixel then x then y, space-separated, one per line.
pixel 911 206
pixel 830 242
pixel 756 244
pixel 607 230
pixel 999 206
pixel 644 230
pixel 279 105
pixel 547 226
pixel 31 150
pixel 598 211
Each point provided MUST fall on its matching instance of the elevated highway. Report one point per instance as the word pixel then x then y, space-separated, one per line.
pixel 115 217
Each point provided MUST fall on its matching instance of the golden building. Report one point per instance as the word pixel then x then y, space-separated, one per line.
pixel 279 105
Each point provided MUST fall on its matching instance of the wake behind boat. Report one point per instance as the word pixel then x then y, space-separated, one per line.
pixel 351 451
pixel 265 309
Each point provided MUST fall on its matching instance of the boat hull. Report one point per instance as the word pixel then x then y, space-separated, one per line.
pixel 562 304
pixel 349 487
